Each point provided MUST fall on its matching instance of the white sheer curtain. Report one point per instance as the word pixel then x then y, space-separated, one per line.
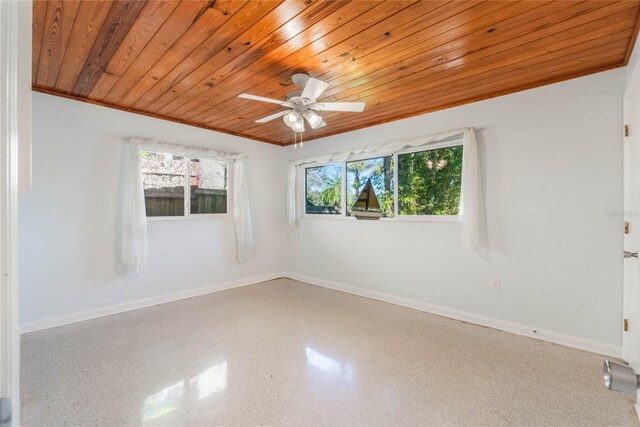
pixel 472 204
pixel 241 212
pixel 134 220
pixel 471 200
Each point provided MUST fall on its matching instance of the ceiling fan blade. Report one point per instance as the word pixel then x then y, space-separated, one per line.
pixel 313 89
pixel 354 107
pixel 263 99
pixel 273 116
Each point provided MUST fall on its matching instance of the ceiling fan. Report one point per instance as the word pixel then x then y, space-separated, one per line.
pixel 302 104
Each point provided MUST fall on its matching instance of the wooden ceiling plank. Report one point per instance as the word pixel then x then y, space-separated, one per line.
pixel 91 16
pixel 251 40
pixel 482 22
pixel 186 15
pixel 104 84
pixel 633 39
pixel 146 25
pixel 228 31
pixel 61 16
pixel 428 70
pixel 238 59
pixel 482 84
pixel 267 86
pixel 445 47
pixel 395 63
pixel 280 78
pixel 427 42
pixel 285 139
pixel 549 40
pixel 392 53
pixel 189 16
pixel 608 58
pixel 609 54
pixel 38 22
pixel 277 74
pixel 184 30
pixel 462 84
pixel 121 17
pixel 299 45
pixel 401 57
pixel 490 16
pixel 610 46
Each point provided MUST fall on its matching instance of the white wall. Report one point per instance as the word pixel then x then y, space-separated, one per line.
pixel 69 220
pixel 634 59
pixel 553 182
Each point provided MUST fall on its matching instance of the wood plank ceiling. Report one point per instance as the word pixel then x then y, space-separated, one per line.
pixel 187 61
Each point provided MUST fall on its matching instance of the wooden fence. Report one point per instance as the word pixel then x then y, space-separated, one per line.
pixel 170 201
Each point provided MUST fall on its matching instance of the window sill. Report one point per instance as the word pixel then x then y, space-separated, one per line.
pixel 188 218
pixel 450 219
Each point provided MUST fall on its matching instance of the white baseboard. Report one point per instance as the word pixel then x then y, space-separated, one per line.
pixel 515 328
pixel 66 319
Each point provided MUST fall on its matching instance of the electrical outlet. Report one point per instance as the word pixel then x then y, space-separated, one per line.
pixel 494 283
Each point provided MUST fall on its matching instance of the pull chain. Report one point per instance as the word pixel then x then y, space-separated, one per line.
pixel 295 140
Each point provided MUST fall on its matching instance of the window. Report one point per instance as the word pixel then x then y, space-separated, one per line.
pixel 380 171
pixel 429 181
pixel 175 186
pixel 416 183
pixel 323 190
pixel 163 183
pixel 208 186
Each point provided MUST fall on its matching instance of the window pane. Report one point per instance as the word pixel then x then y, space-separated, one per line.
pixel 323 190
pixel 209 180
pixel 163 183
pixel 429 182
pixel 380 172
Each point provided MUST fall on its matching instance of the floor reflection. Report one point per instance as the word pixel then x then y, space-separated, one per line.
pixel 171 398
pixel 330 366
pixel 163 402
pixel 212 380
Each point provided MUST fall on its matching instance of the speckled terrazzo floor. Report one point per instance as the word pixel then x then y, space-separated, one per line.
pixel 287 353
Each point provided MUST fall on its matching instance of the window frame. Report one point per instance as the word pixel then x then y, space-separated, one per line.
pixel 303 199
pixel 302 192
pixel 187 192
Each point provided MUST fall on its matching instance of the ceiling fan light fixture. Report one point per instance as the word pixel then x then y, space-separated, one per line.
pixel 314 119
pixel 298 126
pixel 291 118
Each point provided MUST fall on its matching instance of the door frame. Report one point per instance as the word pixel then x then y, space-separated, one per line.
pixel 15 132
pixel 631 292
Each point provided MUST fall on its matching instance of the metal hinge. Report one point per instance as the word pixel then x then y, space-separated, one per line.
pixel 626 227
pixel 626 130
pixel 626 325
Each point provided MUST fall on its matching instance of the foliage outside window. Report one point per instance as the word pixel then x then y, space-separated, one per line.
pixel 323 188
pixel 427 182
pixel 174 185
pixel 380 171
